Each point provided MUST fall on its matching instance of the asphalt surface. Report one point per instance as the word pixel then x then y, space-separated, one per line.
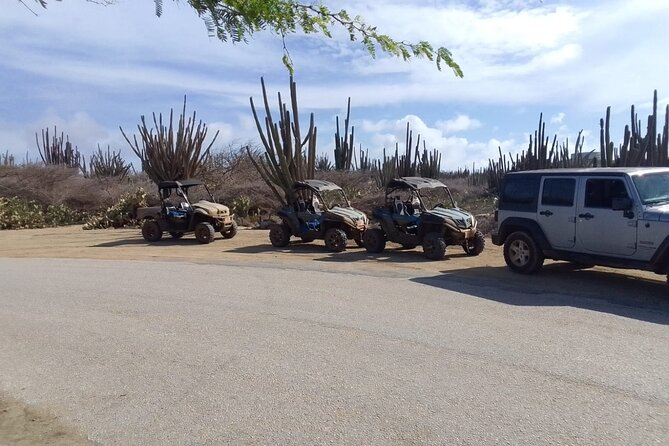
pixel 151 353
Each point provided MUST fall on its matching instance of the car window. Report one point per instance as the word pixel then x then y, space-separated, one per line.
pixel 600 192
pixel 520 190
pixel 558 192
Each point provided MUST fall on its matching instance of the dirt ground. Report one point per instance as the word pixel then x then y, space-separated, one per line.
pixel 25 425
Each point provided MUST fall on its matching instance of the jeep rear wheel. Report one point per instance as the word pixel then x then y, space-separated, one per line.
pixel 475 245
pixel 374 240
pixel 231 231
pixel 434 246
pixel 279 235
pixel 335 239
pixel 204 233
pixel 151 231
pixel 521 253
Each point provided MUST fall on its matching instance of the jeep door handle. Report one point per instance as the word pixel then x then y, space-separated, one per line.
pixel 546 213
pixel 587 216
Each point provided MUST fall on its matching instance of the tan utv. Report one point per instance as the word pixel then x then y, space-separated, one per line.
pixel 179 213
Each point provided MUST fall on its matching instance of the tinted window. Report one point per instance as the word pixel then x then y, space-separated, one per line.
pixel 599 193
pixel 519 193
pixel 558 192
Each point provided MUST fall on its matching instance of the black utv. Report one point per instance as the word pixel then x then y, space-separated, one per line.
pixel 421 211
pixel 320 210
pixel 179 213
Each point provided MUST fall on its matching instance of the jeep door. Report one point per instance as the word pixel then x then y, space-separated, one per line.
pixel 556 213
pixel 600 229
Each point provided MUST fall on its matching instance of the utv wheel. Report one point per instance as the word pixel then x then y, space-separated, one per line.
pixel 474 246
pixel 231 231
pixel 151 231
pixel 434 246
pixel 204 233
pixel 374 240
pixel 176 235
pixel 521 253
pixel 279 235
pixel 335 239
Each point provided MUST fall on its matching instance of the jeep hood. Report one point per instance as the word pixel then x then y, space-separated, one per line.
pixel 209 208
pixel 457 217
pixel 350 216
pixel 657 212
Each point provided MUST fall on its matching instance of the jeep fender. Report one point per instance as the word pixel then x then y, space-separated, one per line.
pixel 514 224
pixel 660 260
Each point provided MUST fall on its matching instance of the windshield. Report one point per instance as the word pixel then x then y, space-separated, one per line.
pixel 437 197
pixel 653 187
pixel 334 198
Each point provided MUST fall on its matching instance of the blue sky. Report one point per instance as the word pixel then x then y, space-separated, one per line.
pixel 89 69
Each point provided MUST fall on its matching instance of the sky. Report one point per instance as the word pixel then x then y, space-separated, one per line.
pixel 89 69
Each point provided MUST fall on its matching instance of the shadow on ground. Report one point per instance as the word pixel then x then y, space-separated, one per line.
pixel 561 284
pixel 140 241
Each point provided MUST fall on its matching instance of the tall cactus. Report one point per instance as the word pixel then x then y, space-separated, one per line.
pixel 343 152
pixel 170 156
pixel 285 160
pixel 58 151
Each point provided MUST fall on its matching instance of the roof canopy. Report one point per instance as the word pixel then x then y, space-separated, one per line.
pixel 180 183
pixel 414 183
pixel 317 185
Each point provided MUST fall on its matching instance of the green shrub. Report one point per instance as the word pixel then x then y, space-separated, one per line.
pixel 121 214
pixel 19 213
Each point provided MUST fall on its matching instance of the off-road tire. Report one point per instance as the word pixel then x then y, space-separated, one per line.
pixel 374 240
pixel 231 231
pixel 151 231
pixel 358 241
pixel 474 246
pixel 521 253
pixel 176 235
pixel 279 235
pixel 204 232
pixel 434 246
pixel 335 239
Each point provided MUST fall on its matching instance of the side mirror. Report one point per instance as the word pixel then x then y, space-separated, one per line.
pixel 621 204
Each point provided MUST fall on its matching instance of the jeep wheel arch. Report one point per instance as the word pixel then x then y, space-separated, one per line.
pixel 515 224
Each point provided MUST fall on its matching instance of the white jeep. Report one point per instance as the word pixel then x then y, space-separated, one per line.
pixel 617 217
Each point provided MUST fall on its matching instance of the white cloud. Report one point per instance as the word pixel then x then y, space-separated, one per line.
pixel 557 118
pixel 460 123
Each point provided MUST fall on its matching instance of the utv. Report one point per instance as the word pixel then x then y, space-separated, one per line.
pixel 421 211
pixel 177 215
pixel 320 211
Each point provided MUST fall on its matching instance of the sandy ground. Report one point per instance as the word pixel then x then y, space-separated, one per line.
pixel 26 425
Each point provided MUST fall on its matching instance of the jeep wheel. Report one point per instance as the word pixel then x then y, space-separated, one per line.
pixel 231 231
pixel 474 246
pixel 434 246
pixel 374 240
pixel 204 232
pixel 151 231
pixel 279 235
pixel 176 235
pixel 521 253
pixel 335 239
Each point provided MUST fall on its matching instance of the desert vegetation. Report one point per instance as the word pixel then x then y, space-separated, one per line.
pixel 61 189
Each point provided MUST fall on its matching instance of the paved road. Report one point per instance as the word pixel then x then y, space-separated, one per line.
pixel 259 354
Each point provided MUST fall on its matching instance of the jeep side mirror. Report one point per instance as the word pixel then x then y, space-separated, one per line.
pixel 621 204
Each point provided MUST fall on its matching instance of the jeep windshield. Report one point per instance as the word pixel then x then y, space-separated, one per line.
pixel 653 188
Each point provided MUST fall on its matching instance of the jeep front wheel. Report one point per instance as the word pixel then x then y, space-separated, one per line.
pixel 335 239
pixel 374 240
pixel 279 235
pixel 434 246
pixel 204 232
pixel 521 253
pixel 151 231
pixel 231 231
pixel 475 245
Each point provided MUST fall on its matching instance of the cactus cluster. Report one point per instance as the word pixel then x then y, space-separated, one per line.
pixel 108 165
pixel 288 157
pixel 58 151
pixel 169 155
